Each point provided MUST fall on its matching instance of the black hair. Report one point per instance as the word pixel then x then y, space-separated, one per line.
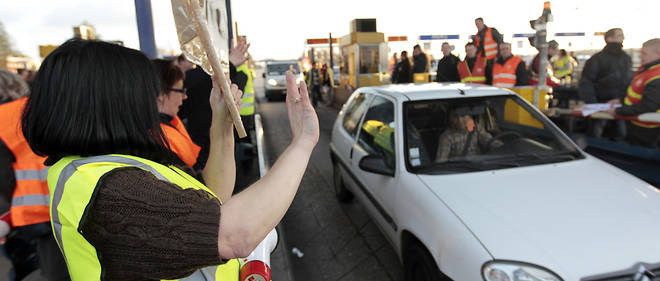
pixel 169 74
pixel 417 47
pixel 562 52
pixel 470 43
pixel 612 33
pixel 479 19
pixel 94 98
pixel 181 58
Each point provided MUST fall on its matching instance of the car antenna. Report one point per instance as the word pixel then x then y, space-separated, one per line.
pixel 461 91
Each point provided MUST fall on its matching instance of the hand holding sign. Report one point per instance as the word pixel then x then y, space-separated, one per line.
pixel 203 39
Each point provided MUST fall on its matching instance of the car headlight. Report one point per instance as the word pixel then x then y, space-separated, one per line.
pixel 515 271
pixel 272 82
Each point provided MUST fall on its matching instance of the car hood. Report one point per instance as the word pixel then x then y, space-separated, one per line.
pixel 577 218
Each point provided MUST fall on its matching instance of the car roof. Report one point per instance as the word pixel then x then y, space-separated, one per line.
pixel 431 91
pixel 282 62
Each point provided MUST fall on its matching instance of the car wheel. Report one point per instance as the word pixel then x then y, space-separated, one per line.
pixel 343 194
pixel 418 265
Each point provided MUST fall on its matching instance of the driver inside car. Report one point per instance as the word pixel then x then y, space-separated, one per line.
pixel 463 138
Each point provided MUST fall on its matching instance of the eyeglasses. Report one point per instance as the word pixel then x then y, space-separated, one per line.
pixel 181 91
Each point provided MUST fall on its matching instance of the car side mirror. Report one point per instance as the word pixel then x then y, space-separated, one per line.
pixel 263 75
pixel 376 164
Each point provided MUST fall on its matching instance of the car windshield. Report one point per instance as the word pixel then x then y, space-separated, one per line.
pixel 483 133
pixel 281 68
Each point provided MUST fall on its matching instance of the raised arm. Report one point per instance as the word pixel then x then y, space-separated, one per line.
pixel 247 217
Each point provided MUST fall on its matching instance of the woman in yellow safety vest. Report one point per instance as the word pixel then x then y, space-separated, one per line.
pixel 120 210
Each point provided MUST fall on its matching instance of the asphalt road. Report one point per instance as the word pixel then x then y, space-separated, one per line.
pixel 338 240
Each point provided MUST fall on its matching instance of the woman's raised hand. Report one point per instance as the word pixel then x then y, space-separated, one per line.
pixel 302 117
pixel 219 108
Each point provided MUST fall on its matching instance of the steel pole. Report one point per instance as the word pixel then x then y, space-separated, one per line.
pixel 145 28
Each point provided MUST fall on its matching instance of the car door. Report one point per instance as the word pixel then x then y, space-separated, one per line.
pixel 376 137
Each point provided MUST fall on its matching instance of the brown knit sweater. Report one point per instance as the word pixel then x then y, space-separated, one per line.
pixel 147 229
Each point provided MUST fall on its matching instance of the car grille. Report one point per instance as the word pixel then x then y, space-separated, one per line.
pixel 639 272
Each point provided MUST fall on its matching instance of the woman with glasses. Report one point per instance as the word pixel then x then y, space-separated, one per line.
pixel 170 98
pixel 121 209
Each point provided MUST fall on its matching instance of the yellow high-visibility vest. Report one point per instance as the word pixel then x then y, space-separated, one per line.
pixel 72 182
pixel 247 108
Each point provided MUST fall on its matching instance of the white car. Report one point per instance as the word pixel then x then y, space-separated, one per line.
pixel 521 202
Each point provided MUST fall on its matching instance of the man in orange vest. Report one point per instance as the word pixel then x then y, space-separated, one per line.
pixel 473 68
pixel 507 70
pixel 30 200
pixel 487 39
pixel 643 96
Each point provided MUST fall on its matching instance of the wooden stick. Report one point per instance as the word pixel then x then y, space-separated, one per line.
pixel 205 38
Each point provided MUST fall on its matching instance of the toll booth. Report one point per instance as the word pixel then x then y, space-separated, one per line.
pixel 364 59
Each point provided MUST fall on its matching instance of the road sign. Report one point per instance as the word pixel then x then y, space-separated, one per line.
pixel 569 34
pixel 314 41
pixel 439 37
pixel 523 35
pixel 44 50
pixel 397 38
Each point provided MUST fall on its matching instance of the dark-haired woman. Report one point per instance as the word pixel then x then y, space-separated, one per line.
pixel 170 98
pixel 120 210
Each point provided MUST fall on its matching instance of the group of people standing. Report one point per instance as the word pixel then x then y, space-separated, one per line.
pixel 607 77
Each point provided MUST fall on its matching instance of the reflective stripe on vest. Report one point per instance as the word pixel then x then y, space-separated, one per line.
pixel 72 182
pixel 180 142
pixel 29 200
pixel 636 90
pixel 247 106
pixel 489 44
pixel 504 76
pixel 479 74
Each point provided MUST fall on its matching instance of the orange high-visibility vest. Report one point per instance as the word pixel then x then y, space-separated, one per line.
pixel 180 142
pixel 489 44
pixel 504 76
pixel 29 203
pixel 636 90
pixel 478 73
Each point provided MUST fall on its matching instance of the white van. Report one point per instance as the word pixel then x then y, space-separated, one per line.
pixel 275 80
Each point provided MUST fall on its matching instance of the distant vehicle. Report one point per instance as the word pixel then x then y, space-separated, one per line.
pixel 523 203
pixel 275 80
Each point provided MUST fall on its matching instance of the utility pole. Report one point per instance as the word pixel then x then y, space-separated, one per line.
pixel 540 25
pixel 145 25
pixel 229 27
pixel 332 61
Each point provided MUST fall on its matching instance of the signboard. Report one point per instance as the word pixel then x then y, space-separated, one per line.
pixel 439 37
pixel 215 13
pixel 315 41
pixel 523 35
pixel 397 38
pixel 569 34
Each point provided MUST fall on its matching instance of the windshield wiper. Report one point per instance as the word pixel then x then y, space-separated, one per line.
pixel 542 157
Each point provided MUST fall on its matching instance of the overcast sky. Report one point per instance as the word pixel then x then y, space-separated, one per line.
pixel 278 29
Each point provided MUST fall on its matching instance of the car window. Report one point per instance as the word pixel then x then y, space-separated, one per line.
pixel 481 133
pixel 377 131
pixel 354 111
